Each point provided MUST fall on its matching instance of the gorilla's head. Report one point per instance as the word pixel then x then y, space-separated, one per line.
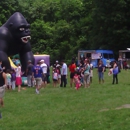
pixel 19 28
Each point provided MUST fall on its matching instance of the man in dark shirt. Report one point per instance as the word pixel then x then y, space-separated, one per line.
pixel 29 74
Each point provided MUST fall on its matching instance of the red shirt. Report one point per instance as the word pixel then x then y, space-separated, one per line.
pixel 72 68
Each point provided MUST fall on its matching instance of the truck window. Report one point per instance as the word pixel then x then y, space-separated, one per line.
pixel 88 55
pixel 127 55
pixel 111 56
pixel 105 55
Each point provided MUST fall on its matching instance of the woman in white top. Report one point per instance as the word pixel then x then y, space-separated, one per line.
pixel 18 77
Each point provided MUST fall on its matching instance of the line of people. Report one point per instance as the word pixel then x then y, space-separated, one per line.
pixel 81 75
pixel 38 75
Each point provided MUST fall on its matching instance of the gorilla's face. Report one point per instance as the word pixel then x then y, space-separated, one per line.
pixel 24 33
pixel 19 28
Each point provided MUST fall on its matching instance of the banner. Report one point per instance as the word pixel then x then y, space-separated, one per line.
pixel 96 55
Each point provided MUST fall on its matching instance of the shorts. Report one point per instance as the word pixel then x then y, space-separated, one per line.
pixel 55 80
pixel 2 91
pixel 38 81
pixel 44 77
pixel 72 75
pixel 86 78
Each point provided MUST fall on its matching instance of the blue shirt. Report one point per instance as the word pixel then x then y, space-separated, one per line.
pixel 116 70
pixel 100 68
pixel 87 69
pixel 37 70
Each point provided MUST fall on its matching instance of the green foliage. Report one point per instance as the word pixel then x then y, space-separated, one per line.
pixel 61 27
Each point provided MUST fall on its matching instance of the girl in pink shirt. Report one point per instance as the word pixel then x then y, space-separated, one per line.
pixel 18 77
pixel 77 81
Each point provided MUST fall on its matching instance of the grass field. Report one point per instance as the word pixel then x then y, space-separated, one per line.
pixel 100 107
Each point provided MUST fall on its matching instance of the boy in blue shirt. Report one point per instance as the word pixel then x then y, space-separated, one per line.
pixel 37 75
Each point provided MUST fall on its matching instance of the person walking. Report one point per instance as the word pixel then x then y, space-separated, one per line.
pixel 43 65
pixel 63 74
pixel 3 84
pixel 29 72
pixel 37 76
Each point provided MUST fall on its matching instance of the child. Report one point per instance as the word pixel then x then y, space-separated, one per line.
pixel 59 74
pixel 77 81
pixel 55 77
pixel 110 72
pixel 8 76
pixel 18 77
pixel 82 76
pixel 13 79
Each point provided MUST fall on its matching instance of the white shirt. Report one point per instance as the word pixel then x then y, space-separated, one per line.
pixel 44 68
pixel 18 71
pixel 64 69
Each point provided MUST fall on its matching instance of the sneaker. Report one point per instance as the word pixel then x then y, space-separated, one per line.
pixel 37 91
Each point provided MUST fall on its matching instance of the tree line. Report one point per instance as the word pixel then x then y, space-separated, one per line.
pixel 62 27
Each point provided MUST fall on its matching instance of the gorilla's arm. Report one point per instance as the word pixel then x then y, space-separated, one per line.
pixel 25 55
pixel 3 54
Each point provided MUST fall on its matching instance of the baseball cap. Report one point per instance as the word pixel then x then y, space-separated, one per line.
pixel 41 60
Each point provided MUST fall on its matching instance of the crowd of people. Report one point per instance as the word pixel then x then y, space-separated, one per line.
pixel 38 75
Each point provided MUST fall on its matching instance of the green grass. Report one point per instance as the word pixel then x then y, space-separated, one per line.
pixel 69 109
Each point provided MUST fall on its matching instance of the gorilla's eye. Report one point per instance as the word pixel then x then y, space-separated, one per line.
pixel 21 29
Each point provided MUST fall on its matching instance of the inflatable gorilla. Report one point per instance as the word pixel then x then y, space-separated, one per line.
pixel 14 39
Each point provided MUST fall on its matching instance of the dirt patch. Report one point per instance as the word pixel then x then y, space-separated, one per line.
pixel 117 108
pixel 104 110
pixel 123 106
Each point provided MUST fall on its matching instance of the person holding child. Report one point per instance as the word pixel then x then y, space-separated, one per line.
pixel 115 73
pixel 86 74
